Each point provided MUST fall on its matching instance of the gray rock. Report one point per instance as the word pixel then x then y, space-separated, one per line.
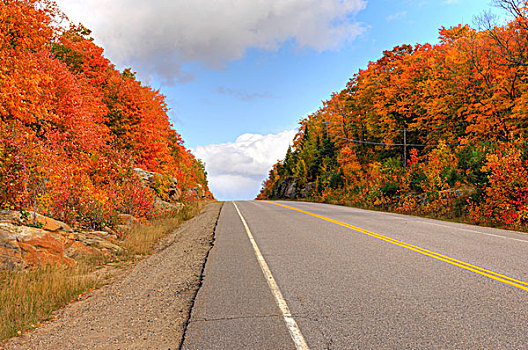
pixel 10 216
pixel 286 189
pixel 163 205
pixel 110 231
pixel 10 232
pixel 290 190
pixel 308 190
pixel 92 240
pixel 11 257
pixel 30 218
pixel 148 177
pixel 198 191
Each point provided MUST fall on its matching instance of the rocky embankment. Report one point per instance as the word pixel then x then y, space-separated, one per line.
pixel 290 190
pixel 29 239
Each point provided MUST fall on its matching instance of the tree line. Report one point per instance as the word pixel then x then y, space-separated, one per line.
pixel 73 127
pixel 426 129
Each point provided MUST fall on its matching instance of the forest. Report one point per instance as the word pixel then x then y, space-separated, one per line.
pixel 437 130
pixel 73 127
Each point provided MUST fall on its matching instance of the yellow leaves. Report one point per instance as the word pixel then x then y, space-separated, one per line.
pixel 491 158
pixel 162 184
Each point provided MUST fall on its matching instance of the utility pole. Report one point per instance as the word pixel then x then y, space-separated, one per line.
pixel 362 137
pixel 405 148
pixel 345 130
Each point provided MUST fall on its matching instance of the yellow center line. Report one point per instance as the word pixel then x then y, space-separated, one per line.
pixel 467 266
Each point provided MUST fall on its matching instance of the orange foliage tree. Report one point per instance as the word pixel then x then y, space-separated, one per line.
pixel 428 129
pixel 72 127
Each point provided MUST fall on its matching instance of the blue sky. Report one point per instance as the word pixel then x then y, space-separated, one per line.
pixel 238 75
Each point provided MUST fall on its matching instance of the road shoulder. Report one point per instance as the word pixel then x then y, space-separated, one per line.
pixel 147 308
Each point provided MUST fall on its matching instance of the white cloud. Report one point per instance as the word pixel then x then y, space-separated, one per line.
pixel 157 36
pixel 236 170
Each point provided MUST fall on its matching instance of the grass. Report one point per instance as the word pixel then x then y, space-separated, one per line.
pixel 28 298
pixel 141 238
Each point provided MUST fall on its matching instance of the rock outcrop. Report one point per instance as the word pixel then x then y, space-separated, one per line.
pixel 29 240
pixel 307 191
pixel 167 206
pixel 149 178
pixel 289 189
pixel 286 189
pixel 23 246
pixel 197 191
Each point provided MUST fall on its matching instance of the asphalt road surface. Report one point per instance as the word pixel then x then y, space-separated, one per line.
pixel 304 275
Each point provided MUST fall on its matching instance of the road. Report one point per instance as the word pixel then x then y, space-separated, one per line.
pixel 333 277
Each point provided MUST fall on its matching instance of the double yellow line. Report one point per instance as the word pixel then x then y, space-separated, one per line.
pixel 462 264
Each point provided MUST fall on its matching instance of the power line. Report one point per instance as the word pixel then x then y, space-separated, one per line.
pixel 404 144
pixel 396 144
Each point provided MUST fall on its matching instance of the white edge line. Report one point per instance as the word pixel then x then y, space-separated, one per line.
pixel 293 328
pixel 480 232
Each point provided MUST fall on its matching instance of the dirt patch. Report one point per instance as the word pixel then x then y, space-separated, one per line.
pixel 148 307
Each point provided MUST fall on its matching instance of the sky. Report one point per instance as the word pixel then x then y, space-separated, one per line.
pixel 238 75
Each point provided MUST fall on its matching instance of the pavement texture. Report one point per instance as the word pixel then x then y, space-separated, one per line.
pixel 348 290
pixel 234 308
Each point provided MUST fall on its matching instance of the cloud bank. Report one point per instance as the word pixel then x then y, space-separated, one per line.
pixel 236 170
pixel 158 36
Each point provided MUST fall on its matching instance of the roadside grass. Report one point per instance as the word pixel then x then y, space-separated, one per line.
pixel 141 238
pixel 28 298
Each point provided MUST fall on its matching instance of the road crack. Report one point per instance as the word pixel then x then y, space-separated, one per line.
pixel 200 283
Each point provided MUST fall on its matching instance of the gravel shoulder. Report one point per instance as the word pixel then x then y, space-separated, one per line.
pixel 146 308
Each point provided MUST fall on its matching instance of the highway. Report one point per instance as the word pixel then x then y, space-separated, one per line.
pixel 297 275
